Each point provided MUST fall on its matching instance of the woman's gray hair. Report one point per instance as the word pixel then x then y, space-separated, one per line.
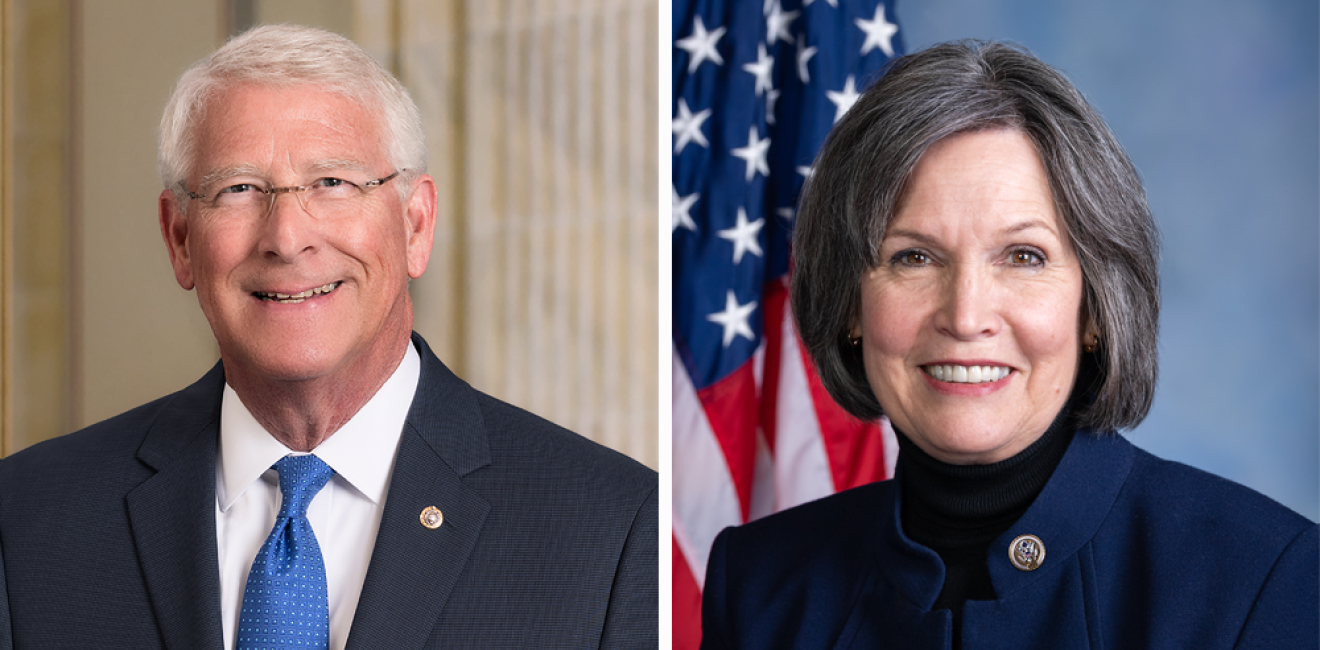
pixel 284 56
pixel 862 171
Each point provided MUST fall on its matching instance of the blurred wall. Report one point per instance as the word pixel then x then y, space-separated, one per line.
pixel 539 115
pixel 1218 104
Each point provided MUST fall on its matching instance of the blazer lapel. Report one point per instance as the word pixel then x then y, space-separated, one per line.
pixel 172 516
pixel 414 568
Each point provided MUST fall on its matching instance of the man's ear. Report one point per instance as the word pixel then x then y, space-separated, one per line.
pixel 174 229
pixel 420 216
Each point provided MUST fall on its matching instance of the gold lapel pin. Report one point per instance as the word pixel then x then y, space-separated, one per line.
pixel 432 517
pixel 1026 552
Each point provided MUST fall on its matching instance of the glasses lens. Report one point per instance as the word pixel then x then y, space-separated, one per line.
pixel 239 198
pixel 329 198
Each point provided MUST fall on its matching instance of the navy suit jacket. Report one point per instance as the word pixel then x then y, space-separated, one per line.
pixel 1139 553
pixel 107 535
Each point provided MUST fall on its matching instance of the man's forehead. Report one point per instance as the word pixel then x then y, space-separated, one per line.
pixel 250 128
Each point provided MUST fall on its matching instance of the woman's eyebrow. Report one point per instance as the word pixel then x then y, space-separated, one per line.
pixel 1028 225
pixel 914 235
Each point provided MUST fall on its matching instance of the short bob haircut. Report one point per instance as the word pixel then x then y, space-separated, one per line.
pixel 287 56
pixel 862 171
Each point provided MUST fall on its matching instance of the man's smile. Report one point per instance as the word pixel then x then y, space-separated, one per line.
pixel 289 299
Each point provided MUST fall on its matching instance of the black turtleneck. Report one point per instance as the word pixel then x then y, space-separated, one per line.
pixel 957 510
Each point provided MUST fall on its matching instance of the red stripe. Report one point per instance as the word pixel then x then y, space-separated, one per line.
pixel 731 408
pixel 855 448
pixel 774 300
pixel 687 605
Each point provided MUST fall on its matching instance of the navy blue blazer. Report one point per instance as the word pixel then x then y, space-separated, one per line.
pixel 107 535
pixel 1139 553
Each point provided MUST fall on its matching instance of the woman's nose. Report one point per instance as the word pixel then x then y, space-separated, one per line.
pixel 971 301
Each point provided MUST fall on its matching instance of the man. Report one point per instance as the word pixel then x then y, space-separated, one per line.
pixel 329 480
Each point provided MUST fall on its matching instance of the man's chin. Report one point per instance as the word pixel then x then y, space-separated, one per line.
pixel 282 365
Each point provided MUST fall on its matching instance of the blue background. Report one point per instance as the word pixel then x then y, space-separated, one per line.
pixel 1218 104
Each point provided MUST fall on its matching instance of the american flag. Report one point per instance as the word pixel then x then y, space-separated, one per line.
pixel 757 86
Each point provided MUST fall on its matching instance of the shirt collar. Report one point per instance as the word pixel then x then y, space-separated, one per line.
pixel 361 452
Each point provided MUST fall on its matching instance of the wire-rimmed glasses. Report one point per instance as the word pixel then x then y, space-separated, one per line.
pixel 325 198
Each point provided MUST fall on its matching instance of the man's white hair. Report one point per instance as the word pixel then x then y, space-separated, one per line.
pixel 284 56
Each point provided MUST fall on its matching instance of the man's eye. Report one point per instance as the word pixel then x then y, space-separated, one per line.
pixel 332 182
pixel 240 189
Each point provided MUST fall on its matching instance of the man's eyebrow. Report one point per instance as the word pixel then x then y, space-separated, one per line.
pixel 227 172
pixel 338 164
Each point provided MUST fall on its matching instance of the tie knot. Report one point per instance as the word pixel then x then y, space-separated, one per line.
pixel 301 477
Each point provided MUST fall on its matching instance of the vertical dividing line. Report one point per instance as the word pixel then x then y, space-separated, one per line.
pixel 6 225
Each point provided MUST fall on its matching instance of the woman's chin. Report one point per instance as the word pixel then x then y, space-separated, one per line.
pixel 973 444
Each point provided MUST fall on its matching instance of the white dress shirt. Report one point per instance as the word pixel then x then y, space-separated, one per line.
pixel 345 514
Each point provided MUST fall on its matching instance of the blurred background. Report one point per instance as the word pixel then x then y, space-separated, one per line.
pixel 541 122
pixel 1218 104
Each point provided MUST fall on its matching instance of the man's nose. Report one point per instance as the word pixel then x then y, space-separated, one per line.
pixel 288 229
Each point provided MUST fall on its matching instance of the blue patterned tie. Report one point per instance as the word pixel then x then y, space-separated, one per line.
pixel 285 603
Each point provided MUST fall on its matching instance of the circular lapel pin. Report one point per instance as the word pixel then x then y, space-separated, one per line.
pixel 432 517
pixel 1026 552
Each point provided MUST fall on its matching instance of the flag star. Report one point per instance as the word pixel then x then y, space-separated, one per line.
pixel 804 55
pixel 681 206
pixel 687 126
pixel 785 213
pixel 771 96
pixel 806 171
pixel 843 99
pixel 754 153
pixel 700 45
pixel 878 32
pixel 761 69
pixel 777 22
pixel 832 3
pixel 744 236
pixel 734 319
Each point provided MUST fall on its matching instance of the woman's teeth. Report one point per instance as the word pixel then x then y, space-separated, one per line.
pixel 290 299
pixel 968 374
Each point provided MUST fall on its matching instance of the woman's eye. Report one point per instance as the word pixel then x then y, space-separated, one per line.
pixel 912 258
pixel 1025 258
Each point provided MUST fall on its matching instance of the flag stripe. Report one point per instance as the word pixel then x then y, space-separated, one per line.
pixel 705 501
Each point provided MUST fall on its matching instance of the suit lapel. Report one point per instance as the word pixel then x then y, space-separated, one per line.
pixel 172 516
pixel 413 568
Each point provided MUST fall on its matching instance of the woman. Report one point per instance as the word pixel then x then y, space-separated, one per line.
pixel 975 259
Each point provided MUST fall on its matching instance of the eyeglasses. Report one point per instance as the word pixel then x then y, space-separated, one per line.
pixel 325 198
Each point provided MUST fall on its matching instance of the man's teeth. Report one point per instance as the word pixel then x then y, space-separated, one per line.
pixel 290 299
pixel 968 374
